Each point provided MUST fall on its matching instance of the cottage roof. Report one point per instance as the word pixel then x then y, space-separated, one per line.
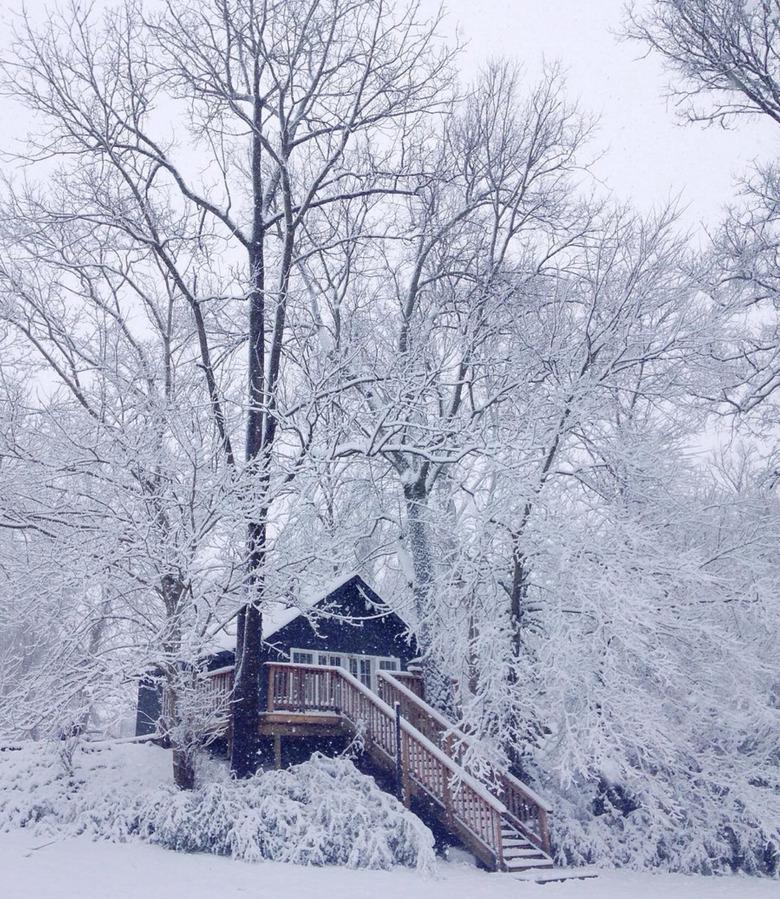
pixel 278 615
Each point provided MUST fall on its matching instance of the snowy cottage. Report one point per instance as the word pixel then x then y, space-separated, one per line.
pixel 339 667
pixel 350 626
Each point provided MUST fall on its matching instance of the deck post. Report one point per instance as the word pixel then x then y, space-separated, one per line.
pixel 270 706
pixel 277 751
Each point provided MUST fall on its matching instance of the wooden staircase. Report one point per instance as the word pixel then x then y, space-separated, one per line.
pixel 503 824
pixel 519 853
pixel 525 841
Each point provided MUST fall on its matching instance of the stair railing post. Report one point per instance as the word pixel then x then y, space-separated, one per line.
pixel 399 771
pixel 447 787
pixel 405 778
pixel 499 837
pixel 544 830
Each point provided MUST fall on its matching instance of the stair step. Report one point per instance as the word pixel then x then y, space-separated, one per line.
pixel 511 832
pixel 521 864
pixel 530 852
pixel 556 874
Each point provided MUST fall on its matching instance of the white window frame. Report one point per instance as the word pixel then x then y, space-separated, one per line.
pixel 366 672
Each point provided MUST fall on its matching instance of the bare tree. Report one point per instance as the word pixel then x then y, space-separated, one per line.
pixel 117 465
pixel 725 51
pixel 495 212
pixel 277 111
pixel 725 56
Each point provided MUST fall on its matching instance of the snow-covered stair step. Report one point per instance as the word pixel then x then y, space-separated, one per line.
pixel 524 864
pixel 514 835
pixel 555 874
pixel 509 833
pixel 522 852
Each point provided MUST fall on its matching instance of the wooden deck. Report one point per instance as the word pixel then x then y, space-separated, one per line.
pixel 505 826
pixel 302 724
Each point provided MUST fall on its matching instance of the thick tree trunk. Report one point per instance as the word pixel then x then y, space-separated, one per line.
pixel 522 734
pixel 175 729
pixel 183 770
pixel 438 687
pixel 245 740
pixel 517 604
pixel 177 734
pixel 245 743
pixel 422 559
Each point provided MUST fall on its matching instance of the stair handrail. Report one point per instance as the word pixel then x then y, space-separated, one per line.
pixel 450 728
pixel 509 782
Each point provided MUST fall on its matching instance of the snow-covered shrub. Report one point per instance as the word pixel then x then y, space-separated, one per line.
pixel 322 812
pixel 33 785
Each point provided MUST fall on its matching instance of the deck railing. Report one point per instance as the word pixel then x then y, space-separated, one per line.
pixel 218 688
pixel 209 701
pixel 526 809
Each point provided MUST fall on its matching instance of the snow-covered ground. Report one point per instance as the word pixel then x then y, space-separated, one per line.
pixel 77 868
pixel 74 838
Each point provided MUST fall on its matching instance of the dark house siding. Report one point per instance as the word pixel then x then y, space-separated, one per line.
pixel 352 619
pixel 149 706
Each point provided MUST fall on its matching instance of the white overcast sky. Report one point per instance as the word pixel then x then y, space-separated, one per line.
pixel 646 156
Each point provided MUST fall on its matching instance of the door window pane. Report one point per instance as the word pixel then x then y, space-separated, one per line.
pixel 365 671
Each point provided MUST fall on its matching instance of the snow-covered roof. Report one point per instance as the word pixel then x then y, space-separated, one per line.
pixel 278 615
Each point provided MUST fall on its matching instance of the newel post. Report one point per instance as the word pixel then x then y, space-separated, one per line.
pixel 499 838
